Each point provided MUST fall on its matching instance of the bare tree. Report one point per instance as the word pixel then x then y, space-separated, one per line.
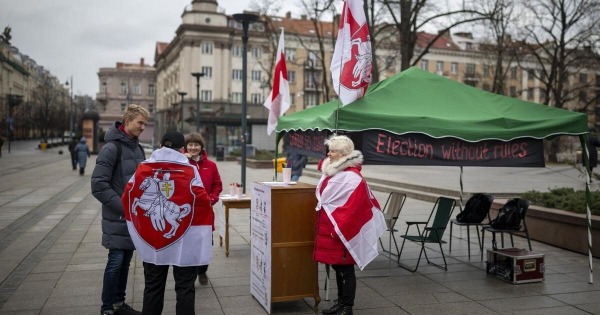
pixel 267 9
pixel 558 42
pixel 383 35
pixel 411 16
pixel 46 97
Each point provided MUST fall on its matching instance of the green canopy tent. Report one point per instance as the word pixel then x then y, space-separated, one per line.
pixel 416 102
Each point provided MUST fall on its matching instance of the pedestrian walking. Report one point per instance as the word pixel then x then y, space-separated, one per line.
pixel 594 143
pixel 72 146
pixel 195 144
pixel 168 190
pixel 82 153
pixel 116 163
pixel 296 162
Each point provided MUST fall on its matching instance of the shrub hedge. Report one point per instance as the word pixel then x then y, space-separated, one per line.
pixel 565 199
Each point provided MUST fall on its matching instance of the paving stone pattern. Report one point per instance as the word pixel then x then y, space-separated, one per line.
pixel 52 261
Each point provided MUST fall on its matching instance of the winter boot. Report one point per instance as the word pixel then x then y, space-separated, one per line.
pixel 346 310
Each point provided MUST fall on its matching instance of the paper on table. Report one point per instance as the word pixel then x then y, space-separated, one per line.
pixel 278 183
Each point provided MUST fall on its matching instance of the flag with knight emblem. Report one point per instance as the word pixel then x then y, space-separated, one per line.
pixel 351 62
pixel 278 101
pixel 168 212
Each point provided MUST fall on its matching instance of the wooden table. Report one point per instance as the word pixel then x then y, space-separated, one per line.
pixel 233 203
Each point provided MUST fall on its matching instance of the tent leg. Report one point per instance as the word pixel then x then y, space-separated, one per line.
pixel 588 199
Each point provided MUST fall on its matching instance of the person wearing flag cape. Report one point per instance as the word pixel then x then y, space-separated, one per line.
pixel 169 218
pixel 349 219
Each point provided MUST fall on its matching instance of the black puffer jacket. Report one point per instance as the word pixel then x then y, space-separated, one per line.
pixel 108 188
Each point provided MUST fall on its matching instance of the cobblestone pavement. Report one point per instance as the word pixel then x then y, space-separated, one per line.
pixel 51 260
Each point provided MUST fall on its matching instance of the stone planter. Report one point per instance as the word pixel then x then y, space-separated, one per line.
pixel 231 158
pixel 559 228
pixel 252 163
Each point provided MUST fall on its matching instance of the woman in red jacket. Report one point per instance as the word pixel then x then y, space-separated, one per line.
pixel 346 206
pixel 194 144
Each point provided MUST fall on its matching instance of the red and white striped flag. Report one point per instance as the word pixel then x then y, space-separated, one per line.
pixel 278 101
pixel 168 212
pixel 351 62
pixel 355 214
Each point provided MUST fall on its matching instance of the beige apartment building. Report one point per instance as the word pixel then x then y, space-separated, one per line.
pixel 127 83
pixel 209 41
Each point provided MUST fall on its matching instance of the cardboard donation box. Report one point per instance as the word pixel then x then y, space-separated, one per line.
pixel 282 240
pixel 515 265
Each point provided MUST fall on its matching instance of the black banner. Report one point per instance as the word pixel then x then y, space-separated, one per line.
pixel 384 148
pixel 309 143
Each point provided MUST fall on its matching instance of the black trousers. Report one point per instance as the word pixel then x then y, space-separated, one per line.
pixel 346 282
pixel 154 292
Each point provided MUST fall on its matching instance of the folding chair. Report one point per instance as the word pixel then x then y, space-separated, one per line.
pixel 468 225
pixel 432 232
pixel 524 205
pixel 392 208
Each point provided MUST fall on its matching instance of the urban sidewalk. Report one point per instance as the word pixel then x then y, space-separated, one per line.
pixel 52 260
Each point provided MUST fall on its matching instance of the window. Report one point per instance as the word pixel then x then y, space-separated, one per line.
pixel 582 77
pixel 104 87
pixel 207 48
pixel 439 67
pixel 530 74
pixel 123 87
pixel 469 46
pixel 207 72
pixel 470 68
pixel 486 87
pixel 486 70
pixel 256 52
pixel 530 93
pixel 237 74
pixel 313 58
pixel 255 75
pixel 390 62
pixel 542 95
pixel 311 99
pixel 424 64
pixel 236 98
pixel 312 79
pixel 543 75
pixel 236 51
pixel 206 95
pixel 291 76
pixel 513 72
pixel 290 54
pixel 454 68
pixel 292 99
pixel 582 96
pixel 123 106
pixel 151 108
pixel 137 89
pixel 151 89
pixel 513 91
pixel 256 98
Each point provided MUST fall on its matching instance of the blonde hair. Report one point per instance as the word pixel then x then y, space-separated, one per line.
pixel 342 144
pixel 133 111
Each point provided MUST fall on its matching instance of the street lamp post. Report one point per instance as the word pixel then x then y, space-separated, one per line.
pixel 181 110
pixel 198 75
pixel 245 19
pixel 71 110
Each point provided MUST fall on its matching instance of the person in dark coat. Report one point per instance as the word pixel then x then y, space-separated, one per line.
pixel 109 179
pixel 82 153
pixel 297 162
pixel 72 146
pixel 593 144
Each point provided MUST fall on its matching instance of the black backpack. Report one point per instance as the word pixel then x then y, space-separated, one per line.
pixel 509 216
pixel 120 152
pixel 476 209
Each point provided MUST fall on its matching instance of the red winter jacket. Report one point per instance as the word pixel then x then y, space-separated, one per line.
pixel 329 248
pixel 210 176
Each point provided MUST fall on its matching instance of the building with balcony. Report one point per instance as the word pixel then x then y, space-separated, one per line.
pixel 127 83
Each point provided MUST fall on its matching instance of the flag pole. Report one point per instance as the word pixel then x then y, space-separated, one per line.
pixel 337 110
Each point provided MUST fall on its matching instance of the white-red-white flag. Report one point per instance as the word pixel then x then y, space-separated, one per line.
pixel 168 212
pixel 355 214
pixel 279 99
pixel 351 62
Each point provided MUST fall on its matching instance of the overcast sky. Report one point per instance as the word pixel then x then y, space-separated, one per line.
pixel 77 37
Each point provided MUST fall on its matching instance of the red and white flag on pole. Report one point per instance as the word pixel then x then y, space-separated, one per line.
pixel 355 214
pixel 351 62
pixel 279 99
pixel 168 212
